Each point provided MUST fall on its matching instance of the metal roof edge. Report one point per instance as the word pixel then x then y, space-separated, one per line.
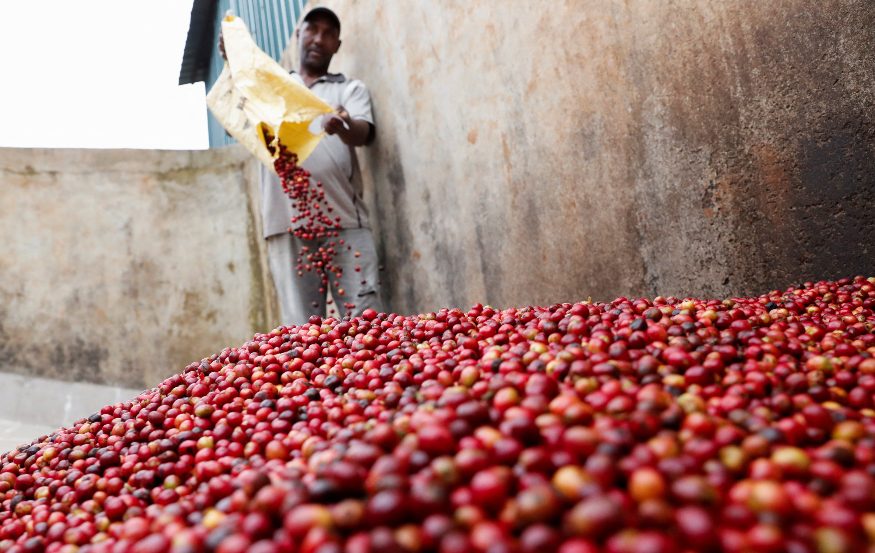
pixel 199 43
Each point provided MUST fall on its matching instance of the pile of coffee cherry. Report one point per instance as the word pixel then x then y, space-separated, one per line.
pixel 633 426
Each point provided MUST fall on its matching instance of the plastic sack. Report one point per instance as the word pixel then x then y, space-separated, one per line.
pixel 259 103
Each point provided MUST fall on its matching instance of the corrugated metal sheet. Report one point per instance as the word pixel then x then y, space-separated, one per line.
pixel 196 57
pixel 271 23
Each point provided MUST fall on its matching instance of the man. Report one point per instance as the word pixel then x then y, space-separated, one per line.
pixel 334 164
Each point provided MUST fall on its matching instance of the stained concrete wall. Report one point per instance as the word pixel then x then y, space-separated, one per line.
pixel 121 267
pixel 527 152
pixel 534 152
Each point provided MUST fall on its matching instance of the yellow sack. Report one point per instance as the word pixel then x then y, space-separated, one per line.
pixel 254 97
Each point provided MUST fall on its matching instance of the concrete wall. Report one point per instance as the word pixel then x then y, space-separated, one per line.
pixel 527 152
pixel 120 267
pixel 534 152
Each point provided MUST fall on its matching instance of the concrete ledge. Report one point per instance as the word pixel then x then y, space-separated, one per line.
pixel 134 262
pixel 51 403
pixel 14 434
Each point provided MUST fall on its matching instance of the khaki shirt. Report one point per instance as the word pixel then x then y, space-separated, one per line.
pixel 332 163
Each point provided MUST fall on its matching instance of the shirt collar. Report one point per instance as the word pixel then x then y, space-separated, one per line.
pixel 328 78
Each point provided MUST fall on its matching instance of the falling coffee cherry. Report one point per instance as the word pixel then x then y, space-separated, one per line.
pixel 310 223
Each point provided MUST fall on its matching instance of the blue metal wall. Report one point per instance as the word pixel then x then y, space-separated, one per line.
pixel 271 23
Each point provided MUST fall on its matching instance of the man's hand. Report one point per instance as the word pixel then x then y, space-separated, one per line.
pixel 353 132
pixel 222 46
pixel 336 123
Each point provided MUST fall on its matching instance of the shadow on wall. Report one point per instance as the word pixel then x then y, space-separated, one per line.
pixel 833 202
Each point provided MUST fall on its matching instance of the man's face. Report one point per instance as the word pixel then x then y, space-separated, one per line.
pixel 319 41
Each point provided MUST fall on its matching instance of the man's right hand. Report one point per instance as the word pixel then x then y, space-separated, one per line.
pixel 222 46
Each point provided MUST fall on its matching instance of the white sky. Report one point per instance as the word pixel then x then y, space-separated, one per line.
pixel 97 74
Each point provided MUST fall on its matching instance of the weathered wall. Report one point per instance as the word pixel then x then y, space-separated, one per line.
pixel 122 266
pixel 533 152
pixel 527 152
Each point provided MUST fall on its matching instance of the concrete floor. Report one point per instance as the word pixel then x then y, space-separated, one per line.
pixel 34 407
pixel 14 433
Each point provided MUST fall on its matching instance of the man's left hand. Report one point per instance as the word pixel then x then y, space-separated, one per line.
pixel 354 132
pixel 335 123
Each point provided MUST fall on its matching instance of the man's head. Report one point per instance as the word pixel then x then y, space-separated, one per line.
pixel 318 39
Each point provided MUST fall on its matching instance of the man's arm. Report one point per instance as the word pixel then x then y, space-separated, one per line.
pixel 358 133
